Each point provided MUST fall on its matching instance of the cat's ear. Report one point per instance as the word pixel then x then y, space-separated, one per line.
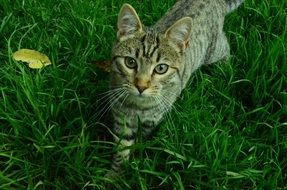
pixel 179 32
pixel 128 21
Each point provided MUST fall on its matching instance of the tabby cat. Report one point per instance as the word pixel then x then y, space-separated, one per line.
pixel 152 65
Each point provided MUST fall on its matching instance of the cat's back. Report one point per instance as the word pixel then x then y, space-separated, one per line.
pixel 203 12
pixel 208 43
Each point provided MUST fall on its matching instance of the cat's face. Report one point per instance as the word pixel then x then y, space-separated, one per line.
pixel 143 67
pixel 146 64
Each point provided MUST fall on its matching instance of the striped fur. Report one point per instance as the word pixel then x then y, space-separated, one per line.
pixel 152 65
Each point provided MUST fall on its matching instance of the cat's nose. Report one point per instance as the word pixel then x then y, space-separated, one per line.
pixel 141 88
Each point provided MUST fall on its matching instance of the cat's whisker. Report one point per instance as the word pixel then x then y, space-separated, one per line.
pixel 108 93
pixel 161 104
pixel 123 101
pixel 107 108
pixel 111 97
pixel 167 98
pixel 165 109
pixel 170 104
pixel 104 100
pixel 111 101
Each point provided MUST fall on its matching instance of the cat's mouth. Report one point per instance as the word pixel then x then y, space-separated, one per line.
pixel 141 95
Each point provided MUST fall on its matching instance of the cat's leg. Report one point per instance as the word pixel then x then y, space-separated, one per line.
pixel 147 128
pixel 124 135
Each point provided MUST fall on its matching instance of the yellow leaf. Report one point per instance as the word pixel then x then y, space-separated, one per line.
pixel 35 59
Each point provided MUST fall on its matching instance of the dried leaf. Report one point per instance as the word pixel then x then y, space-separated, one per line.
pixel 105 65
pixel 35 59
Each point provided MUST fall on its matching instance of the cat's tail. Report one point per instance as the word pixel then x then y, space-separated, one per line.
pixel 232 4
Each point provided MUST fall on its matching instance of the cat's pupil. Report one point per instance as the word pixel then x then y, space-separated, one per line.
pixel 130 62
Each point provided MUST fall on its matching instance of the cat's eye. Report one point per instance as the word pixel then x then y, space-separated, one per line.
pixel 161 69
pixel 130 63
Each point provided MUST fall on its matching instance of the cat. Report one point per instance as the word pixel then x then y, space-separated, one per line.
pixel 152 65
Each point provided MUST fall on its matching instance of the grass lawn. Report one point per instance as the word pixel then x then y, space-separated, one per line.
pixel 228 131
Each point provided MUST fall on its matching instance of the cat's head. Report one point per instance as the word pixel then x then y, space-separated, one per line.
pixel 147 64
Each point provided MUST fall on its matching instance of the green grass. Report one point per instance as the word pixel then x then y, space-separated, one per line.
pixel 228 130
